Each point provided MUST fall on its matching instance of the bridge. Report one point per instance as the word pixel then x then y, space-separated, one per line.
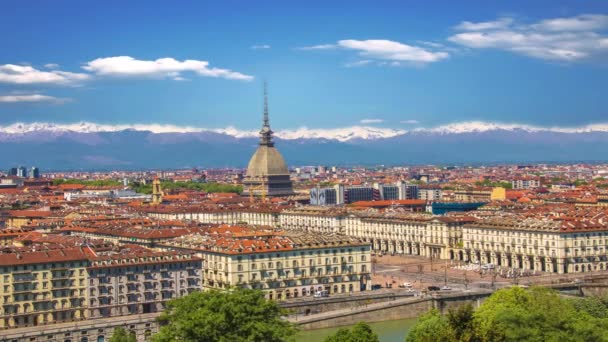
pixel 347 311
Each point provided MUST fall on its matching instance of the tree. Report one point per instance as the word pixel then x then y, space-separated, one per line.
pixel 517 314
pixel 431 327
pixel 121 335
pixel 461 322
pixel 361 332
pixel 536 314
pixel 238 315
pixel 594 306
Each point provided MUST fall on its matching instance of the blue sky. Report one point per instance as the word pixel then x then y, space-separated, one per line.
pixel 398 64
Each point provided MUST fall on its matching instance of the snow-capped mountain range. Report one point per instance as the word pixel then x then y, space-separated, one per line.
pixel 343 134
pixel 87 145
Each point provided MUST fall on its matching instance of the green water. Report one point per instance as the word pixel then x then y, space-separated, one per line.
pixel 388 331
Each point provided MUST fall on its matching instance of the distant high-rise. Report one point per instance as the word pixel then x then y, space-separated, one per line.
pixel 35 172
pixel 407 191
pixel 12 171
pixel 21 172
pixel 267 173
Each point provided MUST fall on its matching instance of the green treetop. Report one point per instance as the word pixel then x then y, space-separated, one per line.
pixel 214 316
pixel 361 332
pixel 517 314
pixel 121 335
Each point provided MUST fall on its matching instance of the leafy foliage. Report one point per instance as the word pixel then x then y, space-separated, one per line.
pixel 240 315
pixel 461 322
pixel 593 306
pixel 206 187
pixel 99 182
pixel 361 332
pixel 121 335
pixel 488 183
pixel 516 314
pixel 431 327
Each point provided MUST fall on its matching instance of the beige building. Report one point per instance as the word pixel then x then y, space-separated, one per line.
pixel 140 281
pixel 43 287
pixel 73 284
pixel 282 264
pixel 546 246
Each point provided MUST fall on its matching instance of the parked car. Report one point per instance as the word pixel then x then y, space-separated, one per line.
pixel 320 294
pixel 433 288
pixel 446 288
pixel 376 287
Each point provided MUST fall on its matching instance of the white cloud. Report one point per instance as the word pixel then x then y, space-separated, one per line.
pixel 126 66
pixel 432 44
pixel 262 46
pixel 410 122
pixel 584 22
pixel 392 51
pixel 319 47
pixel 487 25
pixel 51 66
pixel 25 74
pixel 395 53
pixel 371 121
pixel 560 39
pixel 357 63
pixel 16 98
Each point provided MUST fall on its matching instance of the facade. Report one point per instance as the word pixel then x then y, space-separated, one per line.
pixel 407 191
pixel 75 284
pixel 386 191
pixel 267 173
pixel 323 196
pixel 35 172
pixel 480 194
pixel 537 245
pixel 525 183
pixel 282 265
pixel 358 193
pixel 433 238
pixel 139 282
pixel 429 194
pixel 22 172
pixel 43 287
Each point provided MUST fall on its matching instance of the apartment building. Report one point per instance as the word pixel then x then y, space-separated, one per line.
pixel 429 194
pixel 525 183
pixel 282 264
pixel 433 237
pixel 139 281
pixel 43 287
pixel 540 245
pixel 78 283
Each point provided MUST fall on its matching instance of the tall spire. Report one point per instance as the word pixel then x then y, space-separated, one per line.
pixel 266 132
pixel 266 122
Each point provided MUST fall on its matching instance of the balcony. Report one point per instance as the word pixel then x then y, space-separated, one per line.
pixel 24 278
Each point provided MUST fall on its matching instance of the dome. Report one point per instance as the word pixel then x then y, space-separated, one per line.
pixel 266 161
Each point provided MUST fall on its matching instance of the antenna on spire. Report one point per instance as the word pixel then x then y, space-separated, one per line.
pixel 266 132
pixel 266 122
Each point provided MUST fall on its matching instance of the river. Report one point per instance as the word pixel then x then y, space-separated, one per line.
pixel 388 331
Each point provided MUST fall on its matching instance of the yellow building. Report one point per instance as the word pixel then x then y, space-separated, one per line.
pixel 498 194
pixel 281 264
pixel 42 287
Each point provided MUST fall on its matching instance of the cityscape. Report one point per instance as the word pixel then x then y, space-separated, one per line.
pixel 315 194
